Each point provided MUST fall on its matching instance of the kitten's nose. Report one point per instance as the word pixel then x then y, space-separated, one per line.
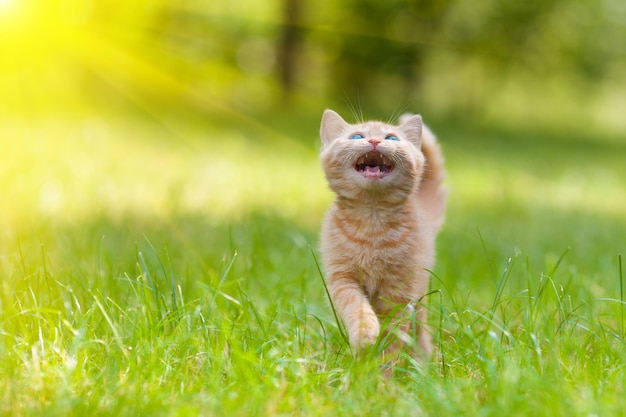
pixel 374 142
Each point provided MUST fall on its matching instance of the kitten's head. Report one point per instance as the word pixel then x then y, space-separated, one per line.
pixel 372 159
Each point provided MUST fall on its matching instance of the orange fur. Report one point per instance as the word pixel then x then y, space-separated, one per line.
pixel 378 237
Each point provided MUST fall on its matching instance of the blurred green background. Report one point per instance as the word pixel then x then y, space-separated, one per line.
pixel 549 63
pixel 152 109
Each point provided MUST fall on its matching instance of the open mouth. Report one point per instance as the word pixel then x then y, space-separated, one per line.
pixel 373 165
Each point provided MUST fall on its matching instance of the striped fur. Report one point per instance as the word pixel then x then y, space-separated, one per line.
pixel 378 237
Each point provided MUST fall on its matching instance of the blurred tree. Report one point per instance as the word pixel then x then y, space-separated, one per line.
pixel 289 44
pixel 384 43
pixel 541 35
pixel 454 55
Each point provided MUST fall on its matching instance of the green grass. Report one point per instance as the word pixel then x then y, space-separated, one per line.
pixel 171 271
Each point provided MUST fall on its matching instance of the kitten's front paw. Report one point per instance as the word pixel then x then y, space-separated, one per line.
pixel 364 333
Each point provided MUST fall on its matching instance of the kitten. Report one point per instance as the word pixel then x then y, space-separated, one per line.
pixel 378 237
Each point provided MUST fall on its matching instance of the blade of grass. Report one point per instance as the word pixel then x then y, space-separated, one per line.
pixel 221 281
pixel 116 334
pixel 621 294
pixel 332 306
pixel 501 284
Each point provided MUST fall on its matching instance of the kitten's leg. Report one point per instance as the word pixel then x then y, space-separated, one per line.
pixel 355 310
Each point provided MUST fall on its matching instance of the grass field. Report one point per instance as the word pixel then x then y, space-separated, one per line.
pixel 166 270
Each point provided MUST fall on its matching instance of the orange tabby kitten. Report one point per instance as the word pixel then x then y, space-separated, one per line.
pixel 378 237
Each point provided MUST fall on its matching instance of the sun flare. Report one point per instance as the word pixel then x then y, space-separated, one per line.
pixel 9 14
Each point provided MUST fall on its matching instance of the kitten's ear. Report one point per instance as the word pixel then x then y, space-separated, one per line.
pixel 332 126
pixel 405 117
pixel 412 127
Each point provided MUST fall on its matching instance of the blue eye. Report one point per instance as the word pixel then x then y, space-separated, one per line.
pixel 357 136
pixel 391 137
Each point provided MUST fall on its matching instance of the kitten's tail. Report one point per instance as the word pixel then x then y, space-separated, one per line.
pixel 432 195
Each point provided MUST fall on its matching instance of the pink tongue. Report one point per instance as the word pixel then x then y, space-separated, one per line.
pixel 372 171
